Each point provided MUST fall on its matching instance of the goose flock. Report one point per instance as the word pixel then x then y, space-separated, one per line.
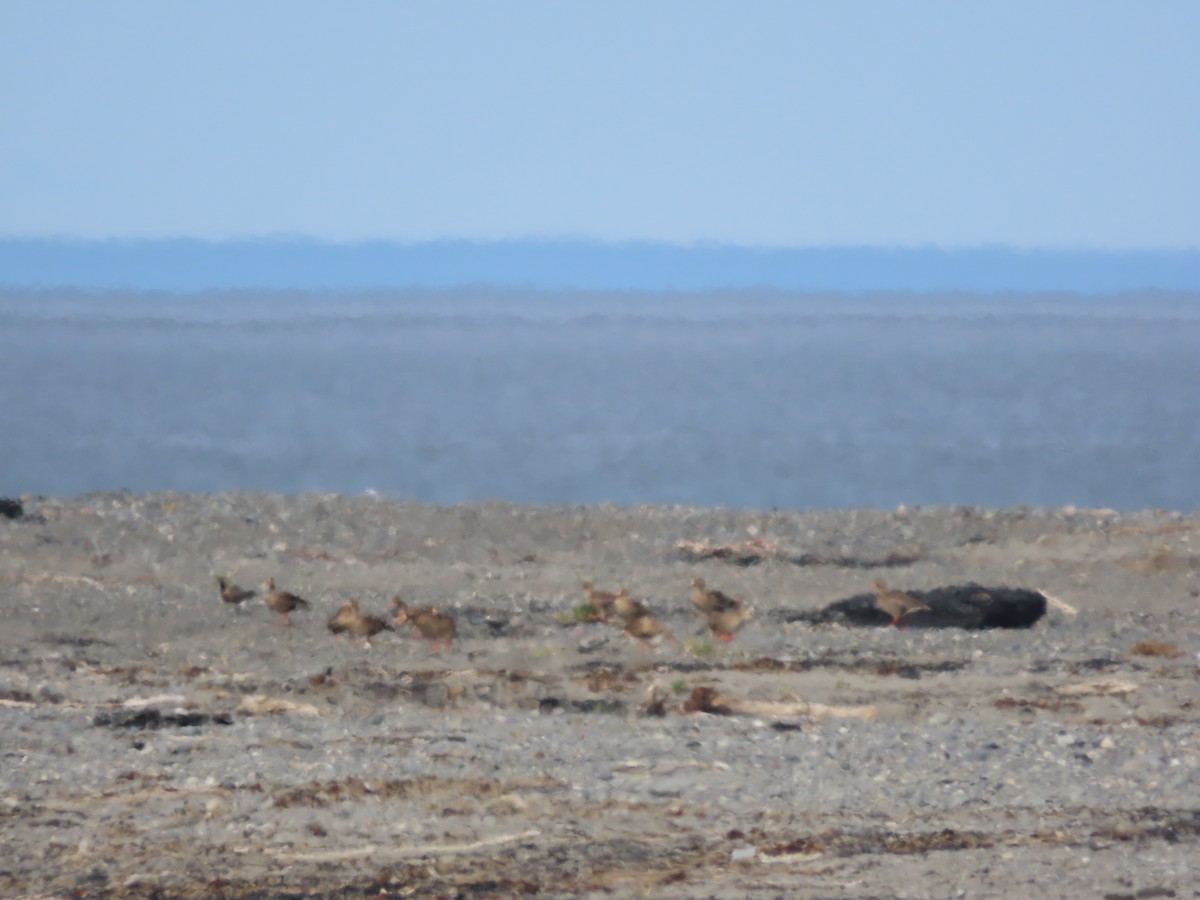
pixel 722 614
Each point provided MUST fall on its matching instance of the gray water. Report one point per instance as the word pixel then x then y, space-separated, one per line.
pixel 737 400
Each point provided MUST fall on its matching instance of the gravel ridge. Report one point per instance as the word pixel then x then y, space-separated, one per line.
pixel 158 742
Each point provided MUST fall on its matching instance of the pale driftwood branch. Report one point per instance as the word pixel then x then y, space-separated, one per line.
pixel 407 852
pixel 1106 687
pixel 176 700
pixel 708 700
pixel 259 705
pixel 43 577
pixel 1061 605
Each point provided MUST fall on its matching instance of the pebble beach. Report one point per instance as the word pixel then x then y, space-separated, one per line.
pixel 158 742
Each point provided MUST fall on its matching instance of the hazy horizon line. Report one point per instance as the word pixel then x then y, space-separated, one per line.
pixel 277 238
pixel 196 264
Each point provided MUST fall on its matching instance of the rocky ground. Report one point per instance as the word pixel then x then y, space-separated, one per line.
pixel 157 742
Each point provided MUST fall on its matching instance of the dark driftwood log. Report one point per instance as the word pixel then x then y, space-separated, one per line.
pixel 743 553
pixel 970 606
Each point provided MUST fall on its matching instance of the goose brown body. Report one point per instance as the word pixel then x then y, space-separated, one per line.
pixel 348 619
pixel 231 593
pixel 724 623
pixel 429 623
pixel 628 608
pixel 645 627
pixel 710 600
pixel 339 622
pixel 896 604
pixel 601 602
pixel 282 602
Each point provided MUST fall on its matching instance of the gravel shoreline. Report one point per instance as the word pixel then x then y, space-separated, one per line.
pixel 158 742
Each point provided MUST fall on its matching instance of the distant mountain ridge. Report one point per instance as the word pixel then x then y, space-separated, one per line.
pixel 188 265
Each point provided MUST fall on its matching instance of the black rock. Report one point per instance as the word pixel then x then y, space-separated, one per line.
pixel 971 606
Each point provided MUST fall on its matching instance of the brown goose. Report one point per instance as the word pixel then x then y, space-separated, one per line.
pixel 402 612
pixel 601 602
pixel 710 600
pixel 231 593
pixel 723 623
pixel 429 623
pixel 628 608
pixel 339 622
pixel 349 619
pixel 897 604
pixel 282 602
pixel 646 627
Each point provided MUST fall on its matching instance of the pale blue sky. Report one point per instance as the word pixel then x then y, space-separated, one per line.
pixel 1033 124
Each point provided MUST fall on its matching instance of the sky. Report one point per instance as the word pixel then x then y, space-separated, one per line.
pixel 778 124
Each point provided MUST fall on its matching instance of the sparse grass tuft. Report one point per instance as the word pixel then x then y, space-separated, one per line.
pixel 585 612
pixel 701 647
pixel 1155 648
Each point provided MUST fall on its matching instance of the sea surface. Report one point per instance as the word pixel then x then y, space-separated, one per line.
pixel 739 399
